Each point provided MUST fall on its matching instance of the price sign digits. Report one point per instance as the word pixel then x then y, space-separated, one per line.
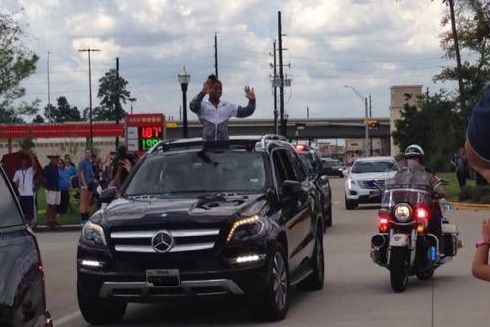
pixel 151 132
pixel 147 144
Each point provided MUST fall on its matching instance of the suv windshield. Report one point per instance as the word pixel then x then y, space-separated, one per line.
pixel 189 172
pixel 331 163
pixel 361 167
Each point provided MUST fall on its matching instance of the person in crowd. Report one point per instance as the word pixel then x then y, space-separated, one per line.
pixel 122 166
pixel 86 180
pixel 460 163
pixel 66 171
pixel 53 194
pixel 24 181
pixel 215 113
pixel 478 151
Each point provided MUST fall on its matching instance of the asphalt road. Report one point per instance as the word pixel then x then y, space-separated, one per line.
pixel 357 292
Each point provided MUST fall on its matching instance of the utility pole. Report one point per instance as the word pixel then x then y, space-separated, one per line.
pixel 89 50
pixel 370 116
pixel 116 100
pixel 49 96
pixel 365 124
pixel 281 78
pixel 216 54
pixel 458 55
pixel 307 113
pixel 276 130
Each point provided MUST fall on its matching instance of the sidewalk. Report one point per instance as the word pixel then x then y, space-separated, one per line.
pixel 61 228
pixel 469 206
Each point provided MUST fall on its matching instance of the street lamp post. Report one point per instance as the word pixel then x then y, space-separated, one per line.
pixel 184 79
pixel 366 130
pixel 89 50
pixel 132 100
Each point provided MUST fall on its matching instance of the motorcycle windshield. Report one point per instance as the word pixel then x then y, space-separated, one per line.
pixel 411 185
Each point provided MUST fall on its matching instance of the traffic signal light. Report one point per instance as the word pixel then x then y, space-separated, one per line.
pixel 373 123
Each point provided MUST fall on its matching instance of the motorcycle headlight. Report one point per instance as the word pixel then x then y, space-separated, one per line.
pixel 246 229
pixel 403 212
pixel 93 234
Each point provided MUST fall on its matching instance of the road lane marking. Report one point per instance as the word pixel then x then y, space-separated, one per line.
pixel 65 319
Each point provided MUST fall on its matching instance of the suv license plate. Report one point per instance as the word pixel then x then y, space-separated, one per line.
pixel 163 277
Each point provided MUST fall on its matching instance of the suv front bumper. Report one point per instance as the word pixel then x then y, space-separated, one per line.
pixel 354 192
pixel 209 276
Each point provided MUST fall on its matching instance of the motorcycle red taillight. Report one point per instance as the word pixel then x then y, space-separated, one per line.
pixel 422 214
pixel 384 218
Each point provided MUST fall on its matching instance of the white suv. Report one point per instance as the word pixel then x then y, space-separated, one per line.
pixel 359 186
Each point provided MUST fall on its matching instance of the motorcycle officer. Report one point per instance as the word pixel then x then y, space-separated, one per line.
pixel 414 156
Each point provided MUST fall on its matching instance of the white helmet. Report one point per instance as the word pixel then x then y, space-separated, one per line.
pixel 414 151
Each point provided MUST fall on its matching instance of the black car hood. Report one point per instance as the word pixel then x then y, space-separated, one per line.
pixel 210 208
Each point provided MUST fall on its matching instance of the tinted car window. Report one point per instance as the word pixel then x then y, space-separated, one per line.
pixel 307 160
pixel 9 212
pixel 297 166
pixel 189 172
pixel 373 167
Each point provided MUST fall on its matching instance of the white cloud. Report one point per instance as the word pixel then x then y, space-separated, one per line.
pixel 371 44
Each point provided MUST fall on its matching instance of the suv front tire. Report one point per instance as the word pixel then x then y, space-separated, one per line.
pixel 275 299
pixel 98 311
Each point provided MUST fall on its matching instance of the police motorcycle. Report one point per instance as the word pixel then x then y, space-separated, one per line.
pixel 406 243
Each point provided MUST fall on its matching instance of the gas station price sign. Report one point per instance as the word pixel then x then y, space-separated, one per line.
pixel 143 131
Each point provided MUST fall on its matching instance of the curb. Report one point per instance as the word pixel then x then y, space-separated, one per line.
pixel 471 206
pixel 62 228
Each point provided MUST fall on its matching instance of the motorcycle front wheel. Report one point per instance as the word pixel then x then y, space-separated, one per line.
pixel 399 269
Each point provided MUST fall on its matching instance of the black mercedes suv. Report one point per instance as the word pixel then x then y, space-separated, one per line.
pixel 198 219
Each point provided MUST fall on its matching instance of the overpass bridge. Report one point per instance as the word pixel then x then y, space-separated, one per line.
pixel 342 128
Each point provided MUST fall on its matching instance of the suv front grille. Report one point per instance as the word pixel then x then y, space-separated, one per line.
pixel 365 184
pixel 184 240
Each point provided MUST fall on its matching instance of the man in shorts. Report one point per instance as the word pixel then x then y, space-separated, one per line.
pixel 53 194
pixel 24 181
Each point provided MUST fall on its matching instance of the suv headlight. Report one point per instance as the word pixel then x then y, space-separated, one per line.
pixel 351 183
pixel 246 229
pixel 93 234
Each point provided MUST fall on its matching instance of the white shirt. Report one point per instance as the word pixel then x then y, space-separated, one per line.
pixel 25 179
pixel 217 115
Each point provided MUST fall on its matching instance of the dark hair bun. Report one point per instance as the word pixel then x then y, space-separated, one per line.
pixel 212 77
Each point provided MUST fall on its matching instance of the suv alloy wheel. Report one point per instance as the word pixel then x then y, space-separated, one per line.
pixel 274 305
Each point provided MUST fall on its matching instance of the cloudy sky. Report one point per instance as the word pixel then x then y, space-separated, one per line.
pixel 369 44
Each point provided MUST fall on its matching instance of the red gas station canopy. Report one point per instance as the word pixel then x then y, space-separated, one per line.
pixel 15 131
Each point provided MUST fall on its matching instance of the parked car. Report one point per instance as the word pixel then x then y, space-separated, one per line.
pixel 365 177
pixel 198 219
pixel 315 170
pixel 22 291
pixel 333 167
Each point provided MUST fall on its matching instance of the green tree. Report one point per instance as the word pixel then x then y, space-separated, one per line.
pixel 436 128
pixel 112 90
pixel 63 112
pixel 16 63
pixel 39 119
pixel 473 25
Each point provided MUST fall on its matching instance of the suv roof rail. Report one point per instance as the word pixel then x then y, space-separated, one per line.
pixel 166 145
pixel 271 137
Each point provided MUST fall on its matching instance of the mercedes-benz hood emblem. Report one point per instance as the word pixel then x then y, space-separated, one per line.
pixel 162 241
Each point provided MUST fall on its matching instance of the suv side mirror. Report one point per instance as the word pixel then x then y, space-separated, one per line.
pixel 108 195
pixel 291 188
